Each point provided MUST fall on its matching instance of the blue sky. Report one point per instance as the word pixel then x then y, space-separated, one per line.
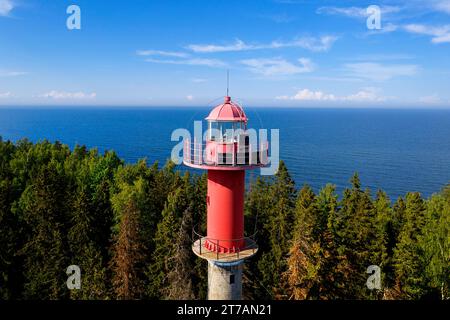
pixel 176 53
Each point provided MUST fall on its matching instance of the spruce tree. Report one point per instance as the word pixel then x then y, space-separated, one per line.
pixel 408 255
pixel 357 237
pixel 44 209
pixel 85 251
pixel 387 230
pixel 180 274
pixel 165 246
pixel 278 227
pixel 305 251
pixel 127 263
pixel 435 245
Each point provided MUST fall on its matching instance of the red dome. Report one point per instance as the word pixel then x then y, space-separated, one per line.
pixel 228 111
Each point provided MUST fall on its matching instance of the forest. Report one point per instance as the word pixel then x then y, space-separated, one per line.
pixel 129 228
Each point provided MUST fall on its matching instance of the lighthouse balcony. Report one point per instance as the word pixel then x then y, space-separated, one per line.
pixel 226 251
pixel 225 155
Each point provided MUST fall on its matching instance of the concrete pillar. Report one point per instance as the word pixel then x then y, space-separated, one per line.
pixel 225 280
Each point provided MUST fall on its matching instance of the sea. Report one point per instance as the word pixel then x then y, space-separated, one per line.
pixel 396 150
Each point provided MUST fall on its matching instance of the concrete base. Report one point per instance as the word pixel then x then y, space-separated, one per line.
pixel 225 280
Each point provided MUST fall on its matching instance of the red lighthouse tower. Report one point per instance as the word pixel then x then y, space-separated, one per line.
pixel 228 152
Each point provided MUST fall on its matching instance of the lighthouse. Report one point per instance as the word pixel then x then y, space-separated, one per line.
pixel 228 151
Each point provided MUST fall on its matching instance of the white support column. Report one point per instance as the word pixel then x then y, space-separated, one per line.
pixel 225 281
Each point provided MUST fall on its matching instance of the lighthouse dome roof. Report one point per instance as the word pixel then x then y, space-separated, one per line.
pixel 227 111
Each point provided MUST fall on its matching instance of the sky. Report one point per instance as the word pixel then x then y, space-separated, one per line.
pixel 282 53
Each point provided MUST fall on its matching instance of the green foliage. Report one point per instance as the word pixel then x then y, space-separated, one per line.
pixel 128 227
pixel 408 254
pixel 435 244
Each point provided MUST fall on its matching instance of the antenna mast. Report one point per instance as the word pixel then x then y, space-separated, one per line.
pixel 228 82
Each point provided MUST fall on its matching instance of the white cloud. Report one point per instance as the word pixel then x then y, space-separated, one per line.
pixel 364 95
pixel 278 66
pixel 323 43
pixel 314 44
pixel 239 45
pixel 190 97
pixel 4 73
pixel 162 53
pixel 6 6
pixel 442 5
pixel 439 34
pixel 379 72
pixel 308 95
pixel 382 57
pixel 433 99
pixel 5 95
pixel 192 62
pixel 385 28
pixel 199 80
pixel 356 12
pixel 61 95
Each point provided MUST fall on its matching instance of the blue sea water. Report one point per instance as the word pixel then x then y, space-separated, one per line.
pixel 394 150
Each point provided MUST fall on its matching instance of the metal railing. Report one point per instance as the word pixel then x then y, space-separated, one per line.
pixel 249 244
pixel 236 155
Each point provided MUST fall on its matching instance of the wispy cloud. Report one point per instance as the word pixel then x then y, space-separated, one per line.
pixel 440 34
pixel 381 57
pixel 386 28
pixel 199 80
pixel 179 58
pixel 4 95
pixel 175 54
pixel 356 12
pixel 4 73
pixel 278 66
pixel 379 72
pixel 6 6
pixel 215 63
pixel 433 99
pixel 365 94
pixel 323 43
pixel 441 5
pixel 239 45
pixel 61 95
pixel 314 44
pixel 190 97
